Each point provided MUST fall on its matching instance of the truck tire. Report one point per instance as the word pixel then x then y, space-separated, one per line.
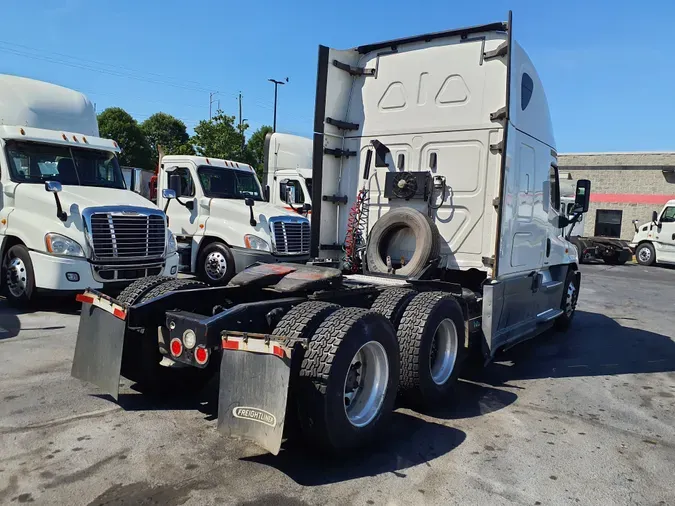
pixel 427 240
pixel 133 293
pixel 300 323
pixel 215 264
pixel 19 277
pixel 431 340
pixel 392 303
pixel 569 301
pixel 348 380
pixel 645 254
pixel 172 286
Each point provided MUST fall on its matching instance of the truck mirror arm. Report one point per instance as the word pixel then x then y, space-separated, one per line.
pixel 55 187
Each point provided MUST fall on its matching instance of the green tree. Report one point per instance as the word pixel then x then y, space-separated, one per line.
pixel 218 137
pixel 117 124
pixel 255 149
pixel 168 132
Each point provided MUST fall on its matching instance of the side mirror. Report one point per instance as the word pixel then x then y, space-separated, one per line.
pixel 289 196
pixel 655 216
pixel 266 193
pixel 168 194
pixel 306 207
pixel 53 186
pixel 582 197
pixel 250 202
pixel 175 184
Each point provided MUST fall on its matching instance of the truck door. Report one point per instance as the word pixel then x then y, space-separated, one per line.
pixel 665 236
pixel 182 219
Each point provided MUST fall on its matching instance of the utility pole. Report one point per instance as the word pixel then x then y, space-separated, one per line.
pixel 241 131
pixel 211 101
pixel 276 85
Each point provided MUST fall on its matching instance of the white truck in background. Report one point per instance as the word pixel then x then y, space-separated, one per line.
pixel 654 242
pixel 287 173
pixel 221 221
pixel 436 230
pixel 67 221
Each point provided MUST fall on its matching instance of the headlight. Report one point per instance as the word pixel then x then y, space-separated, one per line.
pixel 255 242
pixel 170 242
pixel 61 245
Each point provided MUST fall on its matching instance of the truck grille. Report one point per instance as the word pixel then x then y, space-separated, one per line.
pixel 120 237
pixel 290 237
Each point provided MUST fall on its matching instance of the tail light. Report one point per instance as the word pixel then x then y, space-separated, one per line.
pixel 201 355
pixel 176 347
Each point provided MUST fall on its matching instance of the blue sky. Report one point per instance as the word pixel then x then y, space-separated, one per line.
pixel 606 65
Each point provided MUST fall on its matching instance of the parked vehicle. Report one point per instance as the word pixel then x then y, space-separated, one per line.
pixel 139 181
pixel 654 242
pixel 435 231
pixel 67 222
pixel 221 221
pixel 288 171
pixel 611 250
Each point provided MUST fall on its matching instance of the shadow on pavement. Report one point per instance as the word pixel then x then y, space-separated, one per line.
pixel 595 345
pixel 10 325
pixel 409 441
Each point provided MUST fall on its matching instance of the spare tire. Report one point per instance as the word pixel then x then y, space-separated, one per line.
pixel 402 225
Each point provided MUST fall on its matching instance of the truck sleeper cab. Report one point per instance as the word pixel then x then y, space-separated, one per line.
pixel 221 221
pixel 434 174
pixel 67 222
pixel 654 242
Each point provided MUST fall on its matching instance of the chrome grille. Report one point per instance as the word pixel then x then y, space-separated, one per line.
pixel 290 237
pixel 119 237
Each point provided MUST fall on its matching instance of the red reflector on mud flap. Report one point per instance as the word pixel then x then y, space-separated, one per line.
pixel 230 344
pixel 81 297
pixel 119 313
pixel 278 351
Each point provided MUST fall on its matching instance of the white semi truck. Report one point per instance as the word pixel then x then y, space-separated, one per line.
pixel 436 230
pixel 287 171
pixel 654 242
pixel 221 221
pixel 67 222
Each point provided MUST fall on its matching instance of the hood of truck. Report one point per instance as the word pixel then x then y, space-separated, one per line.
pixel 35 207
pixel 235 215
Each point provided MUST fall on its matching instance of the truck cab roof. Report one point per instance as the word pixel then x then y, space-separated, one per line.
pixel 168 160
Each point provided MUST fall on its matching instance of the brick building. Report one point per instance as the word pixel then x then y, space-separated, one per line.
pixel 624 187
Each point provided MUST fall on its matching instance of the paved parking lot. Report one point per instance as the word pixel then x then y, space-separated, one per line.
pixel 586 417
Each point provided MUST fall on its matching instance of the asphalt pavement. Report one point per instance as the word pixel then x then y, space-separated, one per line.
pixel 583 417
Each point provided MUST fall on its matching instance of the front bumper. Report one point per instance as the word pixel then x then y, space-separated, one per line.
pixel 50 272
pixel 244 258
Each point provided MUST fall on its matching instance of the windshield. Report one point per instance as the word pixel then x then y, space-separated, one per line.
pixel 224 183
pixel 32 162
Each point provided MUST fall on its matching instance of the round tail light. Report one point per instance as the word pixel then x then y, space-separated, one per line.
pixel 201 355
pixel 176 347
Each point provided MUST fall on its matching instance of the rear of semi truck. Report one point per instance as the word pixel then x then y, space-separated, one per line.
pixel 435 230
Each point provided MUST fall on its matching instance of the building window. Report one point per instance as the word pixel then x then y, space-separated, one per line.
pixel 608 223
pixel 526 89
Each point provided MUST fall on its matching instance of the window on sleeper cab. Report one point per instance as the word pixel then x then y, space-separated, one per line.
pixel 526 89
pixel 554 187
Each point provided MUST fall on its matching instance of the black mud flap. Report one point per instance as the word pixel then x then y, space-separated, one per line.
pixel 98 352
pixel 252 397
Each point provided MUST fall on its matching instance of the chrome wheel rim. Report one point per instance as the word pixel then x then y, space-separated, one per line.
pixel 215 266
pixel 366 384
pixel 443 353
pixel 16 276
pixel 644 255
pixel 570 299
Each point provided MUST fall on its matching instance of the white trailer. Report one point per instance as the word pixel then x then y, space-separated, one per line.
pixel 436 230
pixel 67 222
